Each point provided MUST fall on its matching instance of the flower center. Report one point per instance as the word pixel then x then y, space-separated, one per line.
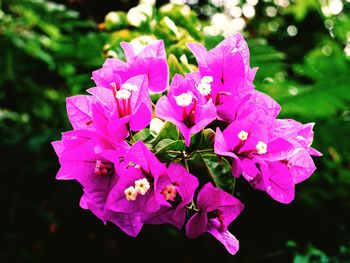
pixel 129 87
pixel 104 168
pixel 243 135
pixel 261 147
pixel 130 193
pixel 204 86
pixel 123 96
pixel 169 192
pixel 142 186
pixel 207 79
pixel 183 99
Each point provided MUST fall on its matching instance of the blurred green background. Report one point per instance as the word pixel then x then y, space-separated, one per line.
pixel 48 50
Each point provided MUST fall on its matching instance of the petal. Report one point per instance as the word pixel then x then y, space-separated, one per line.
pixel 79 111
pixel 129 223
pixel 280 185
pixel 220 145
pixel 224 237
pixel 199 51
pixel 197 225
pixel 141 118
pixel 302 166
pixel 105 96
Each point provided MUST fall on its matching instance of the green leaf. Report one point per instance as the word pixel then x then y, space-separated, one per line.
pixel 174 66
pixel 219 170
pixel 208 139
pixel 169 131
pixel 162 149
pixel 142 135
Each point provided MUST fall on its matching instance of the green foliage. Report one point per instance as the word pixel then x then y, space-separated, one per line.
pixel 50 53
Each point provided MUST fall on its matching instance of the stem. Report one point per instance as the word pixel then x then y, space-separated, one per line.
pixel 131 137
pixel 185 161
pixel 209 172
pixel 234 185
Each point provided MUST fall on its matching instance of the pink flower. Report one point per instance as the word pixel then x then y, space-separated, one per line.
pixel 225 72
pixel 184 106
pixel 110 109
pixel 151 61
pixel 299 162
pixel 177 189
pixel 216 210
pixel 137 190
pixel 256 153
pixel 81 160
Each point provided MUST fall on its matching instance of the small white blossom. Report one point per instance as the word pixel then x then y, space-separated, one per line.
pixel 204 88
pixel 129 87
pixel 207 79
pixel 261 147
pixel 243 135
pixel 183 99
pixel 130 193
pixel 142 186
pixel 123 94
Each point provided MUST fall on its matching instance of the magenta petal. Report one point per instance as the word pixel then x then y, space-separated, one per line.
pixel 199 51
pixel 302 166
pixel 154 50
pixel 266 102
pixel 280 185
pixel 197 225
pixel 129 52
pixel 314 152
pixel 141 118
pixel 58 147
pixel 104 96
pixel 224 237
pixel 79 111
pixel 130 223
pixel 220 145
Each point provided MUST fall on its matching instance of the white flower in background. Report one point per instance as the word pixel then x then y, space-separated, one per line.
pixel 139 14
pixel 156 125
pixel 148 2
pixel 252 2
pixel 235 11
pixel 112 17
pixel 248 10
pixel 180 2
pixel 331 7
pixel 238 24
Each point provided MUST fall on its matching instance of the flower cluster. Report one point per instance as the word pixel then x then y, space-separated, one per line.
pixel 131 176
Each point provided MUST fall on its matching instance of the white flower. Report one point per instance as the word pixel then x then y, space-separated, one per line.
pixel 207 79
pixel 123 94
pixel 130 193
pixel 129 87
pixel 204 88
pixel 261 147
pixel 183 99
pixel 243 135
pixel 142 186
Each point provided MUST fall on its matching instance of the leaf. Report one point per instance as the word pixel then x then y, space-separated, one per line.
pixel 174 66
pixel 142 135
pixel 219 169
pixel 169 131
pixel 162 149
pixel 207 140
